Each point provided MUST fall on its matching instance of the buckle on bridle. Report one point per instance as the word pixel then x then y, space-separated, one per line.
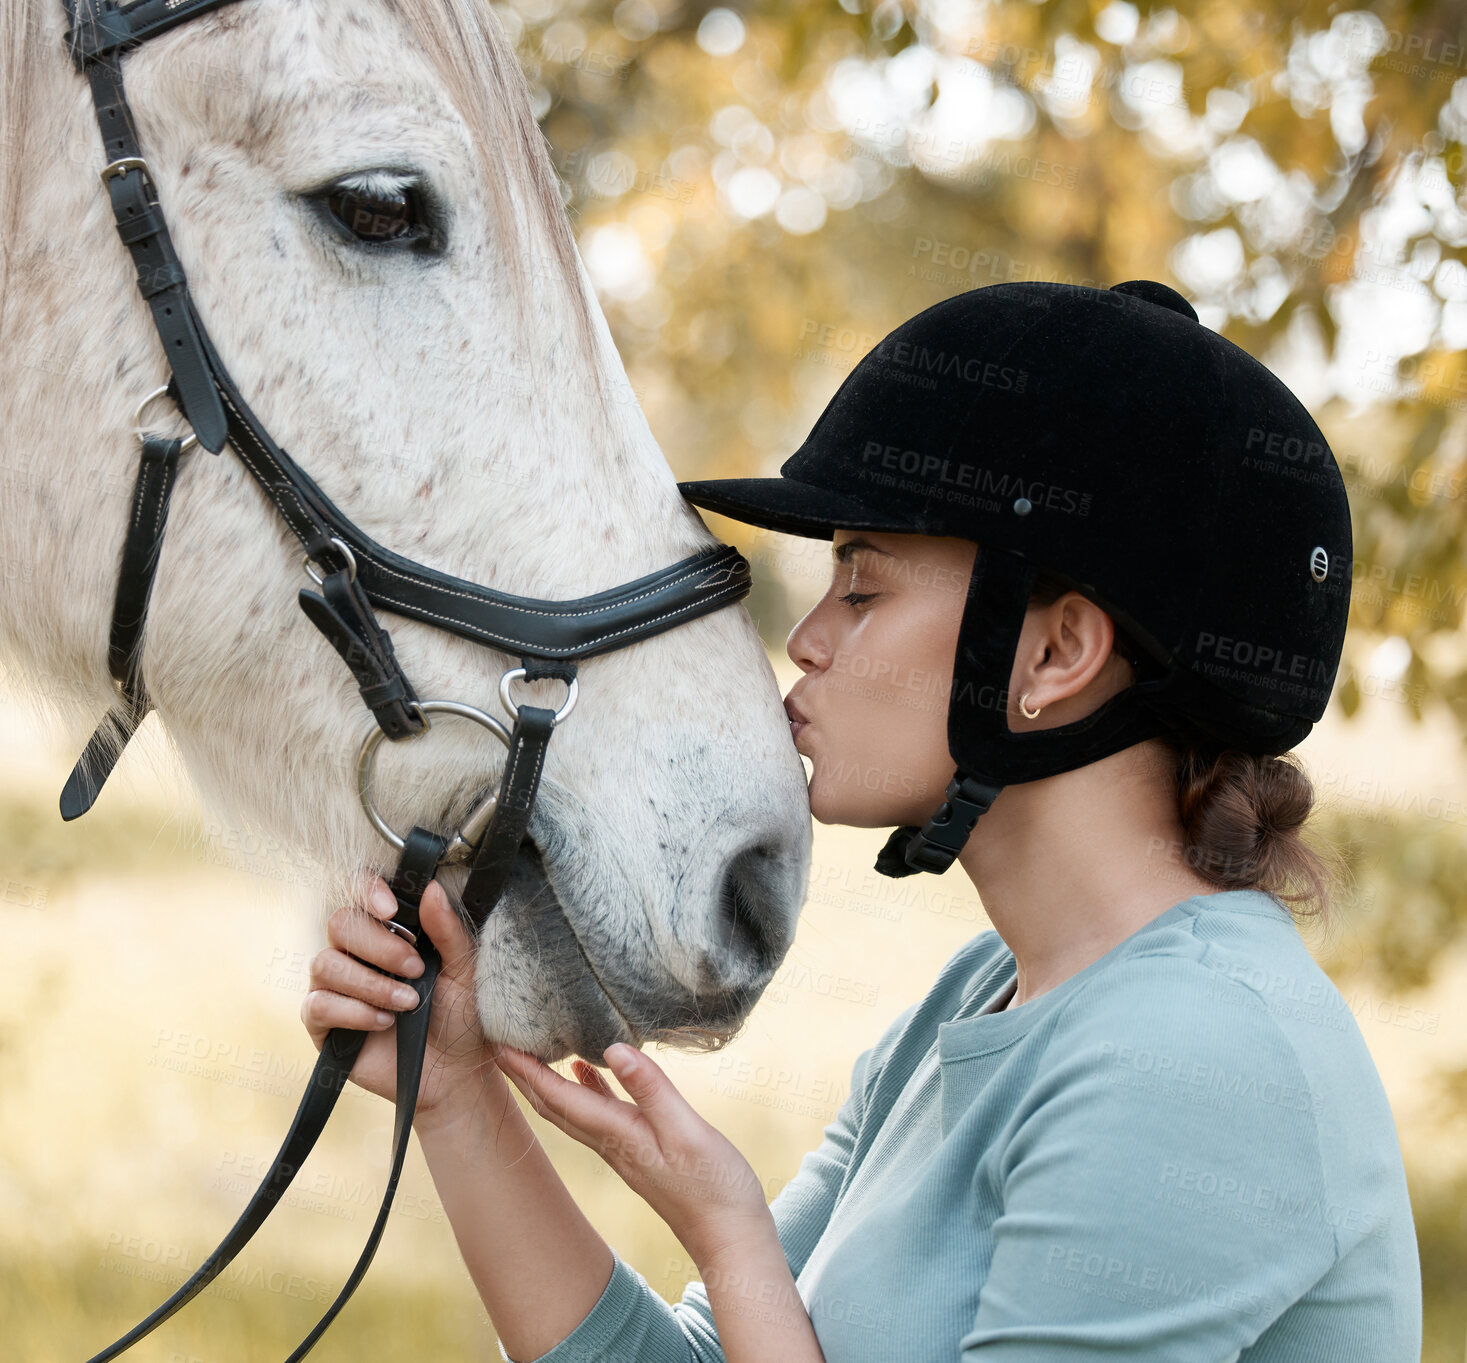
pixel 341 547
pixel 121 166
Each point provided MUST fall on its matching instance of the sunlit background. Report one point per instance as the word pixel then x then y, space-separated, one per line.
pixel 761 193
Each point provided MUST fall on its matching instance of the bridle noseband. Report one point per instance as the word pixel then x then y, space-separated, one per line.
pixel 354 574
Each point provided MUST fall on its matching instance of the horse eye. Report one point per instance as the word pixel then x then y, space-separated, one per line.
pixel 383 214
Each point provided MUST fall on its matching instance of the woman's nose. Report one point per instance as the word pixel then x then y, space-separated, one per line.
pixel 807 646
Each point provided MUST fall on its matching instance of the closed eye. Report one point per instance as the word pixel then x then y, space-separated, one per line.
pixel 380 208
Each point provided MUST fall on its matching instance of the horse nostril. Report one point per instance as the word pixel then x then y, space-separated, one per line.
pixel 748 910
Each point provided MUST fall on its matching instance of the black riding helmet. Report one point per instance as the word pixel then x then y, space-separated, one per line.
pixel 1106 436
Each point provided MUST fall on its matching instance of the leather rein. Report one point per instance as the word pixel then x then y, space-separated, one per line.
pixel 355 575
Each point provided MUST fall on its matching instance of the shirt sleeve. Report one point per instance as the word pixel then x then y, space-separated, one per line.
pixel 633 1323
pixel 1163 1194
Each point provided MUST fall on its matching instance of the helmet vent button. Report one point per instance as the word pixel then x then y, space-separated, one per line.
pixel 1023 506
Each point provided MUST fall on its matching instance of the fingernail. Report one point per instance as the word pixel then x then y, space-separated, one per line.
pixel 405 995
pixel 413 968
pixel 383 1018
pixel 384 902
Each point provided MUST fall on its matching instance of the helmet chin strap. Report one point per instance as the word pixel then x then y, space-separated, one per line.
pixel 990 755
pixel 935 845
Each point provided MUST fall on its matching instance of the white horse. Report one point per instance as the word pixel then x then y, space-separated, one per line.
pixel 461 399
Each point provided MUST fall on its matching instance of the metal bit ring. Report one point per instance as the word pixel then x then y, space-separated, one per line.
pixel 462 846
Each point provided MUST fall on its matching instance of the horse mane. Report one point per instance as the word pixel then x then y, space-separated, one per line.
pixel 465 45
pixel 468 48
pixel 21 38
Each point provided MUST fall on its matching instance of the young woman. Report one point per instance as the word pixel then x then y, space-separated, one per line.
pixel 1090 577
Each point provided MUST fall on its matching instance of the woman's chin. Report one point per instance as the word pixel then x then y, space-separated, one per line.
pixel 844 814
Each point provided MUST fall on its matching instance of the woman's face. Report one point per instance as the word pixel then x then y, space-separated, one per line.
pixel 877 651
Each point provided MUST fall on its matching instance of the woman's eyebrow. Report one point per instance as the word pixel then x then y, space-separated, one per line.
pixel 842 552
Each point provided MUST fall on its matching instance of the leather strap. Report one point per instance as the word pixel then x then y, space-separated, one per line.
pixel 140 225
pixel 101 28
pixel 420 857
pixel 489 874
pixel 577 628
pixel 343 616
pixel 97 760
pixel 141 545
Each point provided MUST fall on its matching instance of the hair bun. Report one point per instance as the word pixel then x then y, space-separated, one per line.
pixel 1241 813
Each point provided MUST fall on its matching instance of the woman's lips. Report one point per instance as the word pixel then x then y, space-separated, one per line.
pixel 797 717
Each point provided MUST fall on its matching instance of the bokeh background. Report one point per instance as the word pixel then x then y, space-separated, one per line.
pixel 761 192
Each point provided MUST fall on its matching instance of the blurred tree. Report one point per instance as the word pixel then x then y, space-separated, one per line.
pixel 763 190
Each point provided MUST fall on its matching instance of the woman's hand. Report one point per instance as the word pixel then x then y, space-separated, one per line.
pixel 458 1069
pixel 690 1174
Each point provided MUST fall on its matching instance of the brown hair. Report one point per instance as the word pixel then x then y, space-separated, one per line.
pixel 1241 812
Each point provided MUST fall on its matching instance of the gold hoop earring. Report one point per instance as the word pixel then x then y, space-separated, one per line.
pixel 1024 709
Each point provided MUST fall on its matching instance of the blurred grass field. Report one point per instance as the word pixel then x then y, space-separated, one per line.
pixel 151 1056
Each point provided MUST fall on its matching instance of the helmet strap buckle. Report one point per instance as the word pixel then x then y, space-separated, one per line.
pixel 935 845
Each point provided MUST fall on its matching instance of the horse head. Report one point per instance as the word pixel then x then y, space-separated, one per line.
pixel 375 239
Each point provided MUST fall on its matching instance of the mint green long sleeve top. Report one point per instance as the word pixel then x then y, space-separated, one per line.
pixel 1181 1154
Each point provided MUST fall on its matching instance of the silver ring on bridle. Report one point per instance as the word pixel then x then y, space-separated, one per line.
pixel 463 843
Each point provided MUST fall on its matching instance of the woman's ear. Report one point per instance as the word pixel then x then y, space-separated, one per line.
pixel 1063 647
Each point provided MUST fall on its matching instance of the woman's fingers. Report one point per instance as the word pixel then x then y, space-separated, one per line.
pixel 590 1076
pixel 647 1085
pixel 446 931
pixel 334 970
pixel 595 1116
pixel 592 1117
pixel 322 1010
pixel 366 937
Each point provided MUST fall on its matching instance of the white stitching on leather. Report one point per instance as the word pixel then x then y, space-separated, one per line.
pixel 508 641
pixel 527 610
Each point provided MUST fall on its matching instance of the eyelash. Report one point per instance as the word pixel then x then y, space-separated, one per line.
pixel 855 598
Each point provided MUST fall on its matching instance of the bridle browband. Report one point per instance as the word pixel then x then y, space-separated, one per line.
pixel 354 574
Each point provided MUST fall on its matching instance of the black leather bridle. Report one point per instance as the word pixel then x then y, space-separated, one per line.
pixel 356 574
